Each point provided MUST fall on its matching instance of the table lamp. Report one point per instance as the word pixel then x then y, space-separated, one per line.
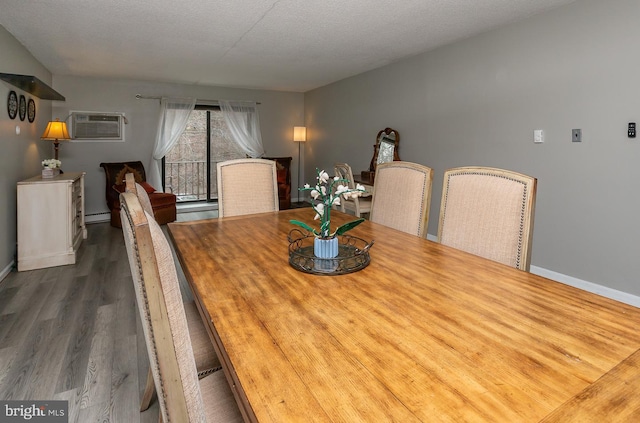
pixel 55 132
pixel 299 136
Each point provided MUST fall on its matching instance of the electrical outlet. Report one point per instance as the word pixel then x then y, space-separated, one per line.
pixel 576 135
pixel 631 131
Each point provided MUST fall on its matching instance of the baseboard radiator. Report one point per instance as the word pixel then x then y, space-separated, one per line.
pixel 97 217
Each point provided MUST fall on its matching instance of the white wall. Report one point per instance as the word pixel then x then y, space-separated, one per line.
pixel 279 112
pixel 477 102
pixel 20 155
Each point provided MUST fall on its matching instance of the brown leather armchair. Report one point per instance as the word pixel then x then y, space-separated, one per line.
pixel 163 204
pixel 283 170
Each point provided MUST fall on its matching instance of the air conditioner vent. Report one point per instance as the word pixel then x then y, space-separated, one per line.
pixel 97 126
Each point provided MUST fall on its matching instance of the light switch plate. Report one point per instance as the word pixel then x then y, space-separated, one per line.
pixel 538 136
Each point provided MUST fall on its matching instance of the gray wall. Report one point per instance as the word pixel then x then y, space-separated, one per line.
pixel 477 102
pixel 279 113
pixel 20 155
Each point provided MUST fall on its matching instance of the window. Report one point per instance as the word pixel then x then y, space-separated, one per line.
pixel 190 167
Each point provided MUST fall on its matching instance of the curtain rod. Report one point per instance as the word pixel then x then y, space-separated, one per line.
pixel 152 97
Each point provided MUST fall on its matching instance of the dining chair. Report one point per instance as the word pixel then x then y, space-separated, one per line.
pixel 247 186
pixel 358 205
pixel 181 395
pixel 132 186
pixel 207 360
pixel 402 196
pixel 488 212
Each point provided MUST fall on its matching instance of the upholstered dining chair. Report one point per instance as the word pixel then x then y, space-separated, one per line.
pixel 181 396
pixel 247 186
pixel 402 196
pixel 488 212
pixel 358 205
pixel 132 186
pixel 205 356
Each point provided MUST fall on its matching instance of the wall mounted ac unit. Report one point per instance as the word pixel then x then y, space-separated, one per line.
pixel 97 126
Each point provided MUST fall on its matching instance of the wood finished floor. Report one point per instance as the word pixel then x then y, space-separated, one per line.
pixel 73 333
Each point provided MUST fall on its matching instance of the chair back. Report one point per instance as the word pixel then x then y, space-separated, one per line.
pixel 247 186
pixel 162 314
pixel 115 172
pixel 488 212
pixel 357 204
pixel 114 177
pixel 139 191
pixel 402 196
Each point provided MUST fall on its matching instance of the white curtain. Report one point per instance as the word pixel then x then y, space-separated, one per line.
pixel 174 114
pixel 244 124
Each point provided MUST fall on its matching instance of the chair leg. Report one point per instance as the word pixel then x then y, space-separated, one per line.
pixel 149 392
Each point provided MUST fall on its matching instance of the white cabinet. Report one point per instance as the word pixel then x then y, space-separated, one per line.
pixel 50 220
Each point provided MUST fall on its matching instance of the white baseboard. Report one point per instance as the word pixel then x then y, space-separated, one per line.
pixel 604 291
pixel 6 270
pixel 181 208
pixel 196 207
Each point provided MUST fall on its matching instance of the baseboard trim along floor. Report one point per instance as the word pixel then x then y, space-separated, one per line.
pixel 6 270
pixel 604 291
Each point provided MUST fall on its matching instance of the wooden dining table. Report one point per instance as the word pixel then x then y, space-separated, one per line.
pixel 424 333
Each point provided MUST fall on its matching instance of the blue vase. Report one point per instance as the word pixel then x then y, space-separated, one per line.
pixel 325 248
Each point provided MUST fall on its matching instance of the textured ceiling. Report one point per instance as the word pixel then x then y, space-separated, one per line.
pixel 290 45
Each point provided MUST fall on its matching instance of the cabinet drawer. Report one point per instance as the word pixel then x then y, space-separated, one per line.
pixel 77 205
pixel 76 191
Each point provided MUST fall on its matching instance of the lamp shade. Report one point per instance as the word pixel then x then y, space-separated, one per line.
pixel 56 130
pixel 299 133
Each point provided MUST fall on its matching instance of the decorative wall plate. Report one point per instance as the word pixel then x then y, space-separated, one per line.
pixel 31 110
pixel 12 104
pixel 22 107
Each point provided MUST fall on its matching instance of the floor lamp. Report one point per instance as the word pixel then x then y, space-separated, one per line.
pixel 299 136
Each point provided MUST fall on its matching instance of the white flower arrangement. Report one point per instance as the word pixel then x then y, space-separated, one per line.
pixel 324 196
pixel 51 164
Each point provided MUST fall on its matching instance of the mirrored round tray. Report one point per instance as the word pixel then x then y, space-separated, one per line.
pixel 353 254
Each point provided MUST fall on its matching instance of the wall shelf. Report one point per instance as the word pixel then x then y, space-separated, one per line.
pixel 32 85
